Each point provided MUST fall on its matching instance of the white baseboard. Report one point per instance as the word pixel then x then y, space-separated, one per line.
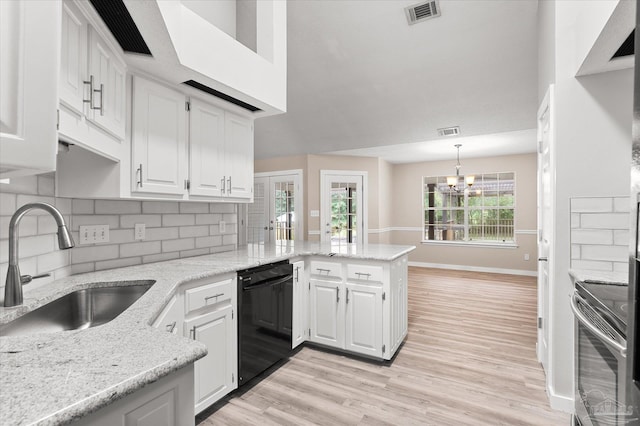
pixel 560 402
pixel 475 269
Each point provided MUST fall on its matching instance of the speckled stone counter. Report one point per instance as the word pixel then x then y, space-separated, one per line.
pixel 621 278
pixel 56 378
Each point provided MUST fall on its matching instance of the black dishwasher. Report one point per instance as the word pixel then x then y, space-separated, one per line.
pixel 265 299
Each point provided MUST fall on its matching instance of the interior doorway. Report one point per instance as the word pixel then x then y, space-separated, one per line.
pixel 276 211
pixel 343 206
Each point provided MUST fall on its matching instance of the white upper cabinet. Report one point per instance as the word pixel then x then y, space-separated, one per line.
pixel 28 86
pixel 91 86
pixel 159 147
pixel 207 147
pixel 238 156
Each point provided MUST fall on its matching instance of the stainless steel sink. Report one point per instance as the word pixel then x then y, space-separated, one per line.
pixel 78 310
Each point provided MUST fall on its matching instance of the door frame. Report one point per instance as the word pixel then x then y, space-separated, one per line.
pixel 324 174
pixel 299 199
pixel 544 357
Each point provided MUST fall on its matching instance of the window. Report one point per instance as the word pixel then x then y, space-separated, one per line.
pixel 483 212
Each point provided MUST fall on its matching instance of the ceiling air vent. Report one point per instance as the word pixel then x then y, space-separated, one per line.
pixel 449 131
pixel 421 11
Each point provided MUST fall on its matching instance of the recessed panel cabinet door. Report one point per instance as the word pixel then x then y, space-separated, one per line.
pixel 300 322
pixel 364 319
pixel 159 139
pixel 215 373
pixel 29 49
pixel 206 158
pixel 327 313
pixel 73 59
pixel 239 156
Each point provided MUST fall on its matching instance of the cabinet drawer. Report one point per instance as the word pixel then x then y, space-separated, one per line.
pixel 325 269
pixel 208 295
pixel 365 273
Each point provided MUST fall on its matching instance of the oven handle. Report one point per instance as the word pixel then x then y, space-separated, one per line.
pixel 268 283
pixel 592 328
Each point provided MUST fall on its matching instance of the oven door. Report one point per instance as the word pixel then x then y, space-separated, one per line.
pixel 600 367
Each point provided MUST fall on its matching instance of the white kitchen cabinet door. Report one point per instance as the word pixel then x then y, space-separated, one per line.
pixel 172 316
pixel 364 319
pixel 207 149
pixel 73 59
pixel 29 48
pixel 108 100
pixel 300 321
pixel 398 300
pixel 327 313
pixel 159 146
pixel 215 374
pixel 239 156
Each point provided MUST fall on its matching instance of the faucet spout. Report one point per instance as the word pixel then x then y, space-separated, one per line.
pixel 13 285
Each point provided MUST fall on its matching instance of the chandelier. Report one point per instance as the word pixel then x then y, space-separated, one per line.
pixel 453 181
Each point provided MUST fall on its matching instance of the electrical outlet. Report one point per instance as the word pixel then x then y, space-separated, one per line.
pixel 223 226
pixel 526 256
pixel 94 234
pixel 139 231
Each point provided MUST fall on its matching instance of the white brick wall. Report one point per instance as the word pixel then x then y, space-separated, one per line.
pixel 173 230
pixel 600 233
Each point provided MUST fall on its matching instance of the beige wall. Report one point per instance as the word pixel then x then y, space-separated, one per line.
pixel 407 205
pixel 395 201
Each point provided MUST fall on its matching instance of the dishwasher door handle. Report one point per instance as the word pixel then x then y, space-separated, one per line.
pixel 268 283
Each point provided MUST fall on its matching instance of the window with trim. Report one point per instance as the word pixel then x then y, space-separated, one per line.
pixel 482 212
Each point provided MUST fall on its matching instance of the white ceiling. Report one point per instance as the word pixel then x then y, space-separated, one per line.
pixel 359 76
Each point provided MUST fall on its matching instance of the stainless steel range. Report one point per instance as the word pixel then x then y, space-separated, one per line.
pixel 600 310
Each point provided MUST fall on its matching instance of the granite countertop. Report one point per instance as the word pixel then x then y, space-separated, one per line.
pixel 621 278
pixel 59 377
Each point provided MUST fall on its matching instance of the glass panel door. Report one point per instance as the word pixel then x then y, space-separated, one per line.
pixel 342 209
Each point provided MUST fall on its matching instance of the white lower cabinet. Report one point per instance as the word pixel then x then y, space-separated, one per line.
pixel 300 314
pixel 215 373
pixel 327 313
pixel 167 402
pixel 358 307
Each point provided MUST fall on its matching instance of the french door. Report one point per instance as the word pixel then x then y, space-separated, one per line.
pixel 343 207
pixel 276 212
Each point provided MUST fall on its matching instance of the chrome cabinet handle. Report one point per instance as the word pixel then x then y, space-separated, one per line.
pixel 171 327
pixel 595 330
pixel 139 170
pixel 298 274
pixel 266 228
pixel 363 274
pixel 101 91
pixel 337 294
pixel 229 180
pixel 321 270
pixel 543 259
pixel 192 332
pixel 90 100
pixel 347 296
pixel 206 299
pixel 224 184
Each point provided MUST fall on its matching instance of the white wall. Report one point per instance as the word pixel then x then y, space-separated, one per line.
pixel 221 13
pixel 593 153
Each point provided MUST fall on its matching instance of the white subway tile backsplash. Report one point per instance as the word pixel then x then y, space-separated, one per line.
pixel 62 272
pixel 178 219
pixel 140 249
pixel 208 219
pixel 591 205
pixel 52 261
pixel 621 267
pixel 7 204
pixel 621 237
pixel 229 239
pixel 162 207
pixel 194 252
pixel 621 204
pixel 118 263
pixel 604 220
pixel 28 226
pixel 600 252
pixel 64 206
pixel 222 208
pixel 78 220
pixel 81 268
pixel 21 185
pixel 212 241
pixel 22 199
pixel 34 246
pixel 221 249
pixel 230 218
pixel 82 206
pixel 575 220
pixel 575 251
pixel 592 236
pixel 46 185
pixel 214 229
pixel 118 207
pixel 150 220
pixel 46 225
pixel 156 234
pixel 160 257
pixel 120 236
pixel 28 266
pixel 592 265
pixel 178 245
pixel 94 253
pixel 194 208
pixel 194 231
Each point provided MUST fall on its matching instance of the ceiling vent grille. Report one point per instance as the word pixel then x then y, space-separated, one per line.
pixel 449 131
pixel 421 11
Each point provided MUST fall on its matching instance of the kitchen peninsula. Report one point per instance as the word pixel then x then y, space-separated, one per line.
pixel 66 376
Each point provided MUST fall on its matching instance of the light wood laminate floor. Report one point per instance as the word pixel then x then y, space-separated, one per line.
pixel 469 358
